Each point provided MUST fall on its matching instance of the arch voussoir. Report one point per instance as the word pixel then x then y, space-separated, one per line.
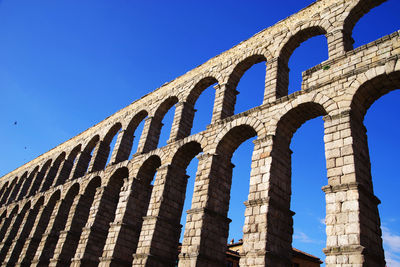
pixel 84 204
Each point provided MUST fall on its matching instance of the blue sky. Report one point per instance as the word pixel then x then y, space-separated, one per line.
pixel 66 65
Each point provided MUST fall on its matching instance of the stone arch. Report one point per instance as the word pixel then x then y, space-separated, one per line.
pixel 211 197
pixel 199 87
pixel 279 221
pixel 27 183
pixel 160 153
pixel 242 66
pixel 352 14
pixel 233 138
pixel 17 188
pixel 85 157
pixel 368 91
pixel 116 180
pixel 126 143
pixel 40 201
pixel 3 190
pixel 49 180
pixel 185 153
pixel 286 49
pixel 166 203
pixel 369 79
pixel 68 242
pixel 292 120
pixel 165 106
pixel 91 185
pixel 148 169
pixel 112 132
pixel 185 113
pixel 74 153
pixel 102 153
pixel 216 72
pixel 43 254
pixel 329 105
pixel 153 135
pixel 53 198
pixel 66 168
pixel 102 217
pixel 232 80
pixel 3 215
pixel 244 62
pixel 24 220
pixel 37 226
pixel 7 222
pixel 199 138
pixel 123 235
pixel 39 178
pixel 8 190
pixel 247 121
pixel 73 190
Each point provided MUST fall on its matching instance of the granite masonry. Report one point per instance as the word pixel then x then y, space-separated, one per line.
pixel 69 207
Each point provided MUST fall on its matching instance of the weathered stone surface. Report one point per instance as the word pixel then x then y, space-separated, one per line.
pixel 67 207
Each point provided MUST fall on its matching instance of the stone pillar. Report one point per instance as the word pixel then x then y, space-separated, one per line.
pixel 49 178
pixel 352 218
pixel 15 191
pixel 207 225
pixel 33 223
pixel 2 221
pixel 123 235
pixel 27 185
pixel 64 172
pixel 276 80
pixel 147 142
pixel 100 156
pixel 3 215
pixel 268 224
pixel 38 182
pixel 34 186
pixel 12 231
pixel 183 121
pixel 97 157
pixel 339 42
pixel 87 230
pixel 225 100
pixel 268 229
pixel 94 234
pixel 81 165
pixel 7 223
pixel 32 243
pixel 159 237
pixel 123 147
pixel 7 193
pixel 48 241
pixel 2 192
pixel 25 216
pixel 69 237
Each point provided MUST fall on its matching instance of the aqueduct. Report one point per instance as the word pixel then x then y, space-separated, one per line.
pixel 68 206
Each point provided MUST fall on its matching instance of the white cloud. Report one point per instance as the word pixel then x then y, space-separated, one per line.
pixel 392 260
pixel 391 242
pixel 322 221
pixel 302 237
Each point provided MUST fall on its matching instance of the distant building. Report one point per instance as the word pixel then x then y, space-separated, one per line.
pixel 299 258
